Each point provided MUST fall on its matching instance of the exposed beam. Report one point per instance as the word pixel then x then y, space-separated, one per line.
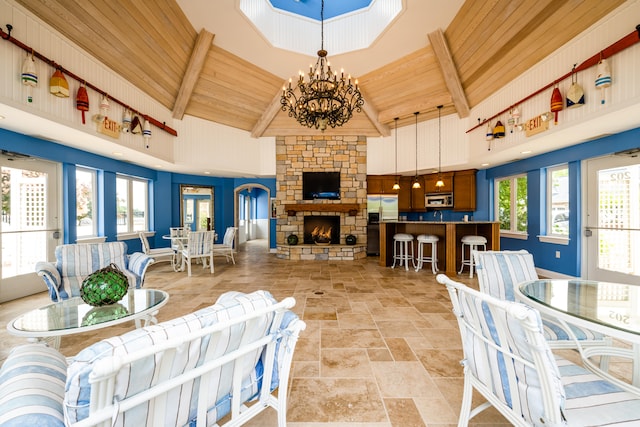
pixel 267 116
pixel 449 72
pixel 371 112
pixel 191 75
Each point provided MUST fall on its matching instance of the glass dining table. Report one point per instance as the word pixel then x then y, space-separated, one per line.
pixel 612 309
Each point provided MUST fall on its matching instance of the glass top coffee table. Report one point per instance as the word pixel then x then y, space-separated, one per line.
pixel 74 316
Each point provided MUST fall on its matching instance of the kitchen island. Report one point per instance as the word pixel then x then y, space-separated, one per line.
pixel 449 232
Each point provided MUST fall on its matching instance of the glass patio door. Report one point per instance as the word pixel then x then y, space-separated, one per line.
pixel 29 229
pixel 613 219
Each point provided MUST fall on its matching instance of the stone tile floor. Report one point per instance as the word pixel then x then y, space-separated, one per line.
pixel 381 348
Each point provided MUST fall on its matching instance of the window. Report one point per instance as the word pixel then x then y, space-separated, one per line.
pixel 558 201
pixel 131 204
pixel 86 202
pixel 511 204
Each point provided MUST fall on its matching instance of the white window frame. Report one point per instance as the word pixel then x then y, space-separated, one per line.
pixel 94 203
pixel 550 236
pixel 131 232
pixel 512 232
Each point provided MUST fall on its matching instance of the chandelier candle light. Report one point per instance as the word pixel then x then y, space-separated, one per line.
pixel 326 99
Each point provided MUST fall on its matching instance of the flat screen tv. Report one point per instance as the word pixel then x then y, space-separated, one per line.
pixel 320 185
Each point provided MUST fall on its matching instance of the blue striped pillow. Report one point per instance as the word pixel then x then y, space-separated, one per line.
pixel 32 391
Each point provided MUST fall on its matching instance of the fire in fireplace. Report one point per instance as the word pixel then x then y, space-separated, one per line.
pixel 321 229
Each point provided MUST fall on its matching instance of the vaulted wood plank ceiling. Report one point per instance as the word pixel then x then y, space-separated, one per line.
pixel 150 44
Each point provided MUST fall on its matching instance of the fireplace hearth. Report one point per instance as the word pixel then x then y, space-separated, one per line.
pixel 322 229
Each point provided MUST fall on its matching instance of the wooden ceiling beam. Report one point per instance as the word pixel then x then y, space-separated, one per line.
pixel 372 114
pixel 449 72
pixel 191 75
pixel 267 116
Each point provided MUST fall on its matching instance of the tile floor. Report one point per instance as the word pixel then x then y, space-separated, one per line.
pixel 381 348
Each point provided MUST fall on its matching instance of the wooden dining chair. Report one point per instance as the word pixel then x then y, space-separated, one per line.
pixel 509 362
pixel 199 246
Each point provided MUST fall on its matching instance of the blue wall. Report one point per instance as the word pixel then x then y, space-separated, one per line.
pixel 569 262
pixel 164 189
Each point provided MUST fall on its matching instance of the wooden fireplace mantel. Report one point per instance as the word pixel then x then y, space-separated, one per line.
pixel 350 208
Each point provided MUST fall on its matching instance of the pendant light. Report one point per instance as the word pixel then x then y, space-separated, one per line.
pixel 439 183
pixel 396 186
pixel 416 183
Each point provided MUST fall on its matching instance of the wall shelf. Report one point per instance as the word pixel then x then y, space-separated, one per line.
pixel 350 208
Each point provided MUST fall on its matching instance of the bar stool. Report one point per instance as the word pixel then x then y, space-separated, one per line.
pixel 473 242
pixel 425 239
pixel 401 244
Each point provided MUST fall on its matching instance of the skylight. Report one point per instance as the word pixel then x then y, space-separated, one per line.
pixel 295 25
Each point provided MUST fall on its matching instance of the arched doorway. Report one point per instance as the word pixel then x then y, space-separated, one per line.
pixel 252 215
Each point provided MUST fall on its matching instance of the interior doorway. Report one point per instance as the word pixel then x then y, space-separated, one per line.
pixel 252 215
pixel 612 232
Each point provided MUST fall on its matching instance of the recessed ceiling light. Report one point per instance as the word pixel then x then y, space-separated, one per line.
pixel 157 166
pixel 525 152
pixel 485 164
pixel 117 153
pixel 1 117
pixel 207 172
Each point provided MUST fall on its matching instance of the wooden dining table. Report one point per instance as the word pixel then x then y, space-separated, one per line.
pixel 612 309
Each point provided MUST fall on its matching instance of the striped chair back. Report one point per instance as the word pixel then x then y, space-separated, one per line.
pixel 200 243
pixel 506 358
pixel 500 271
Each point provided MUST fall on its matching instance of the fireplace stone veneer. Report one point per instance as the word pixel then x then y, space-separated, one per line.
pixel 321 153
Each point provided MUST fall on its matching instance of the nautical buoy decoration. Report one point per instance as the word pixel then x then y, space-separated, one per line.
pixel 603 78
pixel 126 121
pixel 58 85
pixel 575 94
pixel 82 101
pixel 556 103
pixel 29 76
pixel 498 131
pixel 146 133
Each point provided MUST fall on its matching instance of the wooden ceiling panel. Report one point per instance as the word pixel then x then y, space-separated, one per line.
pixel 150 44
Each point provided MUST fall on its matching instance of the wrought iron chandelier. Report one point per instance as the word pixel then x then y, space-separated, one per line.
pixel 326 99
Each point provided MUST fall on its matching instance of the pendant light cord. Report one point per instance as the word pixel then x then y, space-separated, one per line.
pixel 396 135
pixel 322 26
pixel 416 113
pixel 439 142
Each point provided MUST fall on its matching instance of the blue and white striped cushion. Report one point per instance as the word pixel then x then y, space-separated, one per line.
pixel 76 262
pixel 490 366
pixel 592 401
pixel 500 271
pixel 32 378
pixel 180 406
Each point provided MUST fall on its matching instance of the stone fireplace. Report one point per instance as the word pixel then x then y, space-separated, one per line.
pixel 319 229
pixel 321 153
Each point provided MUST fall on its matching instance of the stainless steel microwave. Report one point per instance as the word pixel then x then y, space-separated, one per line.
pixel 438 200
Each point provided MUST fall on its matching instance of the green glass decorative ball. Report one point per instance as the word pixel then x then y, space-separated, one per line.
pixel 292 240
pixel 105 286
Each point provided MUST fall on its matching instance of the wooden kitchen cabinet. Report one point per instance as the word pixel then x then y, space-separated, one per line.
pixel 464 190
pixel 404 194
pixel 381 184
pixel 431 179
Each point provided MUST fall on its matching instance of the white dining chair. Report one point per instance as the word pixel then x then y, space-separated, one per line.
pixel 499 272
pixel 509 362
pixel 199 246
pixel 226 247
pixel 158 254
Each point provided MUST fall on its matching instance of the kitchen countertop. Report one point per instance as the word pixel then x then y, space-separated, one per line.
pixel 439 222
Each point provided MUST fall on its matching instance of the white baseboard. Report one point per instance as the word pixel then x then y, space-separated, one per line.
pixel 553 274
